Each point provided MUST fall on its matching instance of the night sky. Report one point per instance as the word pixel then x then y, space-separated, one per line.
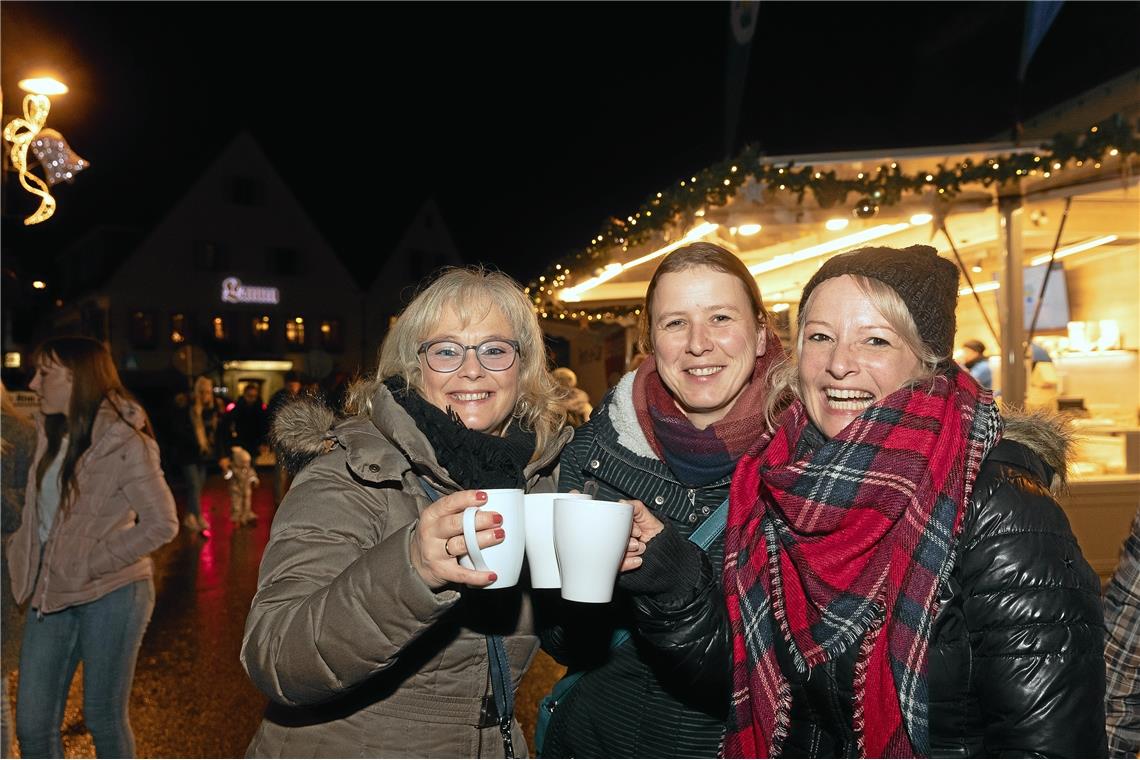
pixel 529 124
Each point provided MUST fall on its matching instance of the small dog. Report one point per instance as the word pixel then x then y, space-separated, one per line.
pixel 243 477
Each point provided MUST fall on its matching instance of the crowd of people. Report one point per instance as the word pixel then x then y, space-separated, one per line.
pixel 839 548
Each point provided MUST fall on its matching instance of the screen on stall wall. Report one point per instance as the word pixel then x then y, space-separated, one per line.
pixel 1055 307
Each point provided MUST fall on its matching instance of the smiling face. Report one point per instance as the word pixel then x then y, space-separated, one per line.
pixel 850 356
pixel 705 340
pixel 52 384
pixel 483 399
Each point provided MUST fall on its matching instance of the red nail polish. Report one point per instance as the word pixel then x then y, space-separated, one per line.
pixel 500 533
pixel 494 577
pixel 497 519
pixel 480 495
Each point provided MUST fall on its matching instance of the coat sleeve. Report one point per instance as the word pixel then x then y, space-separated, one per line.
pixel 145 489
pixel 338 599
pixel 680 611
pixel 1033 611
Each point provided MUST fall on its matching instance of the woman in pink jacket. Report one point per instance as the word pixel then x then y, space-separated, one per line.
pixel 95 508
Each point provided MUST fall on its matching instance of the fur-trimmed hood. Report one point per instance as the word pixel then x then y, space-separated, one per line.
pixel 1048 435
pixel 302 430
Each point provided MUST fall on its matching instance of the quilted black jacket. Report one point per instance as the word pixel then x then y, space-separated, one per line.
pixel 1016 665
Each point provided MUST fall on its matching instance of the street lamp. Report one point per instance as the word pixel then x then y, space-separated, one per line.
pixel 60 164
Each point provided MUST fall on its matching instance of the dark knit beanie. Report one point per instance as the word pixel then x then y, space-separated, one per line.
pixel 926 282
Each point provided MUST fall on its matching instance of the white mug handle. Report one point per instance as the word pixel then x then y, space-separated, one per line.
pixel 472 540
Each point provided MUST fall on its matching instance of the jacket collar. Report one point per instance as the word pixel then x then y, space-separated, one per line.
pixel 623 418
pixel 380 447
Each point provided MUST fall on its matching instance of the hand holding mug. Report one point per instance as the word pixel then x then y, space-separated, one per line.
pixel 645 527
pixel 438 541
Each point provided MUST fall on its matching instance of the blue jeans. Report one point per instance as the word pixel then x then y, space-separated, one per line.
pixel 195 475
pixel 105 634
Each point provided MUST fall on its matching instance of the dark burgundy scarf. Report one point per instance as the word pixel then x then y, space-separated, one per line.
pixel 848 541
pixel 699 457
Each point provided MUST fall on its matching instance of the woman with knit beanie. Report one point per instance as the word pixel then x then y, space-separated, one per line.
pixel 898 580
pixel 668 435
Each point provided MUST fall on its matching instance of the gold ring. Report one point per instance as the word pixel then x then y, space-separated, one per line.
pixel 447 549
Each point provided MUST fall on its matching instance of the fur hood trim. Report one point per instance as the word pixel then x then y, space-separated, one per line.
pixel 1046 434
pixel 301 431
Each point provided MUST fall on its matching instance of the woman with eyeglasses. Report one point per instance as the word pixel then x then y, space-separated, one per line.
pixel 366 633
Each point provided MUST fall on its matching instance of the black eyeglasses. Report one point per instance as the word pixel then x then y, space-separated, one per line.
pixel 447 355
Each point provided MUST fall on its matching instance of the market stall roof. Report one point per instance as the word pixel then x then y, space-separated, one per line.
pixel 785 214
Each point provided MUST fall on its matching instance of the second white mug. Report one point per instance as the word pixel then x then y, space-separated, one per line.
pixel 540 555
pixel 504 559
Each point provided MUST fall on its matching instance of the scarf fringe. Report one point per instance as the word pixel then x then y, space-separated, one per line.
pixel 859 685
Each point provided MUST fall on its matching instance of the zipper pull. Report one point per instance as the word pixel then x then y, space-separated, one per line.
pixel 505 730
pixel 693 498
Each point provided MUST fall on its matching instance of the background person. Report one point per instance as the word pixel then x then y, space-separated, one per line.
pixel 899 582
pixel 17 447
pixel 193 442
pixel 245 425
pixel 577 402
pixel 669 434
pixel 366 633
pixel 291 391
pixel 96 506
pixel 974 359
pixel 1122 650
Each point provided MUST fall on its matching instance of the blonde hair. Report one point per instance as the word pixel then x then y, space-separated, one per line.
pixel 785 377
pixel 203 386
pixel 471 292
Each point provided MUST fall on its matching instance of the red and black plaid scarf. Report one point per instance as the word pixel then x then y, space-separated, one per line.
pixel 850 542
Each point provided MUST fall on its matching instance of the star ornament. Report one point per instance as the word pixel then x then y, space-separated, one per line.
pixel 59 161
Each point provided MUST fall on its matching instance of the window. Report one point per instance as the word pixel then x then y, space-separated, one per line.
pixel 245 191
pixel 295 332
pixel 179 328
pixel 142 332
pixel 220 329
pixel 331 337
pixel 209 256
pixel 259 329
pixel 283 261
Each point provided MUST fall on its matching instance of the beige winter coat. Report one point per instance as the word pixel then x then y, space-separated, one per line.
pixel 360 657
pixel 124 510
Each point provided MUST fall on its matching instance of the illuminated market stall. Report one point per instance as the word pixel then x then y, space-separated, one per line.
pixel 1046 234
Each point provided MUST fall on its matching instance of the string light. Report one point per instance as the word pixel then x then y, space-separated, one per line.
pixel 716 185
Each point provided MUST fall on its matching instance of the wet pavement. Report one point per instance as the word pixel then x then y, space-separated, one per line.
pixel 191 697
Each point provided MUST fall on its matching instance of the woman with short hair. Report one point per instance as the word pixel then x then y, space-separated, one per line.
pixel 366 633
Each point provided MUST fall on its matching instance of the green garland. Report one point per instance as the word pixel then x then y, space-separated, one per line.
pixel 717 184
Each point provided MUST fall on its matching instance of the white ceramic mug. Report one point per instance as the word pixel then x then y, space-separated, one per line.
pixel 590 540
pixel 504 559
pixel 540 556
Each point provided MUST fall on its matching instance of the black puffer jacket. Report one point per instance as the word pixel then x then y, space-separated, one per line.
pixel 1016 665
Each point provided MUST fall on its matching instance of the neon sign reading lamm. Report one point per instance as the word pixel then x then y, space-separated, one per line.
pixel 234 292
